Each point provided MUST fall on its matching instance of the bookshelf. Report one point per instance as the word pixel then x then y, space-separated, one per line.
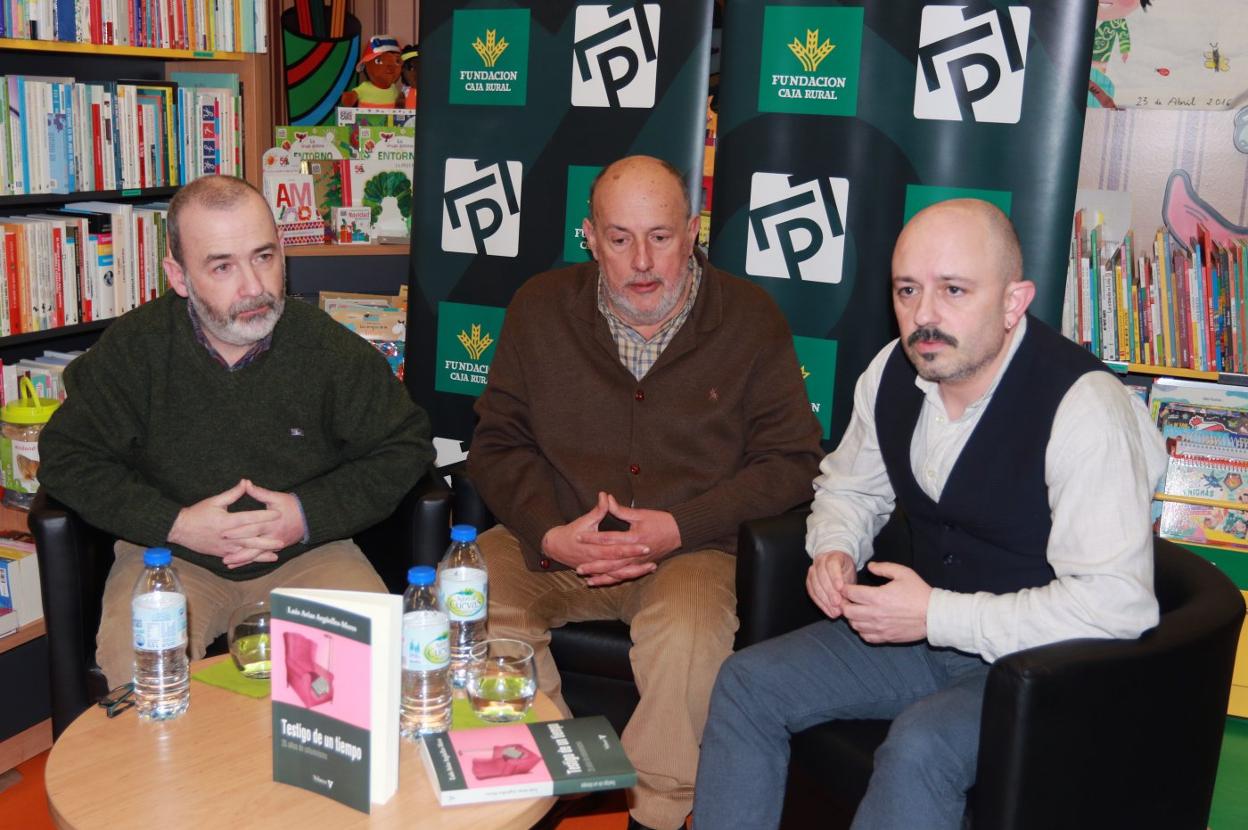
pixel 92 63
pixel 19 651
pixel 63 48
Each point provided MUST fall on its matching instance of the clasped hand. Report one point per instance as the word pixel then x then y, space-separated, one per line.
pixel 608 557
pixel 240 538
pixel 895 612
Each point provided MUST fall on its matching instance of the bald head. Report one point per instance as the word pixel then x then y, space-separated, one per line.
pixel 654 175
pixel 973 223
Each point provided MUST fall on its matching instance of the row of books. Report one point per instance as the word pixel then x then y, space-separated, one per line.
pixel 1204 499
pixel 86 261
pixel 1161 304
pixel 20 601
pixel 117 135
pixel 379 319
pixel 45 372
pixel 205 25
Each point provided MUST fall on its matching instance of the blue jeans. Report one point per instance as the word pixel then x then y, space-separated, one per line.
pixel 825 672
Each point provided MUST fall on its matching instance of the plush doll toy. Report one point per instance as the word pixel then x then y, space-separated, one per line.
pixel 380 65
pixel 411 64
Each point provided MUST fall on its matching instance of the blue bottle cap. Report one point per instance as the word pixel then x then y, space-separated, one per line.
pixel 421 575
pixel 156 557
pixel 463 533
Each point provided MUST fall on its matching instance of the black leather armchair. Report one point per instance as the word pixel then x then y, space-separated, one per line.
pixel 75 558
pixel 1083 733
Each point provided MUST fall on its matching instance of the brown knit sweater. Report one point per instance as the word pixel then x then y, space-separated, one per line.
pixel 718 432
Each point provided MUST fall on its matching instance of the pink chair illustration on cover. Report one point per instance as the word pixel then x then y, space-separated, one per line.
pixel 312 682
pixel 504 760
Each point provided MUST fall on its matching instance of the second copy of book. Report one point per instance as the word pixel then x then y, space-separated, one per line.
pixel 335 684
pixel 526 760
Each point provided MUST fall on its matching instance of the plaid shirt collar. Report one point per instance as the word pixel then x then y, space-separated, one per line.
pixel 252 354
pixel 637 354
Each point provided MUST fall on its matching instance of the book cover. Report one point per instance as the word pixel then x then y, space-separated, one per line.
pixel 351 225
pixel 335 693
pixel 327 182
pixel 1206 478
pixel 526 760
pixel 376 116
pixel 384 186
pixel 1213 424
pixel 291 196
pixel 385 143
pixel 314 142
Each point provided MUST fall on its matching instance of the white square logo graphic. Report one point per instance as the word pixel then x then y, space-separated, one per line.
pixel 796 227
pixel 615 56
pixel 481 207
pixel 971 66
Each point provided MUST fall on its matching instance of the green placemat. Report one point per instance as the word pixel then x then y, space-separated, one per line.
pixel 463 718
pixel 225 674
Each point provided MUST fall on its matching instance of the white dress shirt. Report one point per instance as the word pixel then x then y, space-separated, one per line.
pixel 1102 462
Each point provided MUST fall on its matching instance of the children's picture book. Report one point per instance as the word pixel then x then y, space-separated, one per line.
pixel 379 319
pixel 376 116
pixel 1216 425
pixel 385 143
pixel 1222 480
pixel 291 196
pixel 1196 393
pixel 351 225
pixel 327 182
pixel 314 142
pixel 335 683
pixel 385 187
pixel 526 760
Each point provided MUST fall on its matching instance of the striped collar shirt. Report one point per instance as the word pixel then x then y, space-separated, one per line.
pixel 636 352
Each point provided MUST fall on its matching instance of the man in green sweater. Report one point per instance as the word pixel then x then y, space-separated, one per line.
pixel 251 436
pixel 639 408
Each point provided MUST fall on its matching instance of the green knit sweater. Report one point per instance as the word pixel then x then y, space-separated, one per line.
pixel 153 424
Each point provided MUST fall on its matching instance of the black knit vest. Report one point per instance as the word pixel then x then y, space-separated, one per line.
pixel 990 529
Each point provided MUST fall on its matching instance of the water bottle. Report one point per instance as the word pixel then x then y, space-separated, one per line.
pixel 426 656
pixel 463 591
pixel 162 682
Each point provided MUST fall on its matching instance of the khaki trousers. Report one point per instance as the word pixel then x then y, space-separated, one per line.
pixel 682 619
pixel 210 599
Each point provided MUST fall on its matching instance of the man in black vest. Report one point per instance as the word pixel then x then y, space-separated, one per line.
pixel 1025 470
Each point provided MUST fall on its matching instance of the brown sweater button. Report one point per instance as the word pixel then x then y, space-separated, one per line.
pixel 635 469
pixel 639 395
pixel 544 562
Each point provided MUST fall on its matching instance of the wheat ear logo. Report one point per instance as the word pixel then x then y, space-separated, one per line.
pixel 812 52
pixel 491 50
pixel 476 344
pixel 805 374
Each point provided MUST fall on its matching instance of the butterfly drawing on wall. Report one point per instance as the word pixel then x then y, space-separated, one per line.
pixel 1216 61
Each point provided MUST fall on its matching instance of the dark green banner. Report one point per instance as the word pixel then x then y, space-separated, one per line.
pixel 521 104
pixel 838 121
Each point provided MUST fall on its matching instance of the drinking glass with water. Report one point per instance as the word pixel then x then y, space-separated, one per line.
pixel 501 680
pixel 249 639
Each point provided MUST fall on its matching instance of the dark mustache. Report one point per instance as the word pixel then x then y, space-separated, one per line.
pixel 930 333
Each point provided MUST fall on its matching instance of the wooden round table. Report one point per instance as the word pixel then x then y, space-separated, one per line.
pixel 213 767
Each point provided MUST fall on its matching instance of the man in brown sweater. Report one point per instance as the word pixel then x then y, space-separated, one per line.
pixel 655 392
